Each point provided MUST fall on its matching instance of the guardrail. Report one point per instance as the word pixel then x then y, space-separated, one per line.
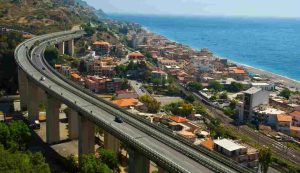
pixel 217 156
pixel 112 109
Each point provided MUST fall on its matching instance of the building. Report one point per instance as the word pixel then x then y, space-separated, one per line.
pixel 264 86
pixel 114 85
pixel 136 56
pixel 267 114
pixel 101 47
pixel 296 118
pixel 295 132
pixel 284 123
pixel 253 97
pixel 237 73
pixel 159 74
pixel 126 103
pixel 178 119
pixel 243 154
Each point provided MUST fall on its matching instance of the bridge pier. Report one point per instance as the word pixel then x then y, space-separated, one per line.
pixel 111 142
pixel 71 47
pixel 52 121
pixel 33 104
pixel 61 48
pixel 86 142
pixel 73 123
pixel 23 82
pixel 138 163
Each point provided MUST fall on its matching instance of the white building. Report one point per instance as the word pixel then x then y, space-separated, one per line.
pixel 264 86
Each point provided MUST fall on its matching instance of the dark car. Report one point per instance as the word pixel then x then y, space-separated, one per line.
pixel 118 120
pixel 36 125
pixel 43 68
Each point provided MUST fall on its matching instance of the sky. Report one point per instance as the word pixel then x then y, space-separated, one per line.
pixel 251 8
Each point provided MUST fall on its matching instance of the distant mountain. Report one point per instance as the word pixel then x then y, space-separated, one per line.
pixel 42 16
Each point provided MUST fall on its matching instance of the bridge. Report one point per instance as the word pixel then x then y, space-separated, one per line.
pixel 40 83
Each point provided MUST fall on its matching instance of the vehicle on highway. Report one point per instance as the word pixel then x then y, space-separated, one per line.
pixel 43 68
pixel 118 119
pixel 43 78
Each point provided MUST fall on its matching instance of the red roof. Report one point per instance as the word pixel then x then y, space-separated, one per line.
pixel 178 119
pixel 295 114
pixel 101 43
pixel 209 144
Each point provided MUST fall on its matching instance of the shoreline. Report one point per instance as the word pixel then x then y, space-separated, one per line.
pixel 276 78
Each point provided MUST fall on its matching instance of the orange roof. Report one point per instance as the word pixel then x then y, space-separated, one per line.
pixel 295 128
pixel 57 65
pixel 75 75
pixel 209 144
pixel 178 119
pixel 284 118
pixel 101 43
pixel 135 54
pixel 238 71
pixel 125 102
pixel 295 114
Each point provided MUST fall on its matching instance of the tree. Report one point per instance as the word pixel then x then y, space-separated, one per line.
pixel 215 85
pixel 91 164
pixel 4 134
pixel 264 159
pixel 173 90
pixel 286 93
pixel 20 134
pixel 223 96
pixel 88 29
pixel 109 158
pixel 200 109
pixel 235 87
pixel 194 86
pixel 125 85
pixel 152 104
pixel 229 112
pixel 190 98
pixel 82 68
pixel 51 55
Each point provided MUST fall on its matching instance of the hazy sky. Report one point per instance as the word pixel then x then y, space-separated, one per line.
pixel 264 8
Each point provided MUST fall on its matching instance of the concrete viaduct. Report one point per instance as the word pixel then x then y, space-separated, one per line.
pixel 39 82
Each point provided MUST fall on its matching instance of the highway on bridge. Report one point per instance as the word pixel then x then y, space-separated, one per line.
pixel 160 147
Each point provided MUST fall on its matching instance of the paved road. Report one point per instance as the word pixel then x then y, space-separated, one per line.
pixel 138 87
pixel 101 115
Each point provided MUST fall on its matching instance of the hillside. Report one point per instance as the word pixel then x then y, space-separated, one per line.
pixel 42 16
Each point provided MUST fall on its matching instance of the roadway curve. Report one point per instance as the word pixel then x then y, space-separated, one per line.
pixel 159 145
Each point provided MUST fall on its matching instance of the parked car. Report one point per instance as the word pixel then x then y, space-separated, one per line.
pixel 35 125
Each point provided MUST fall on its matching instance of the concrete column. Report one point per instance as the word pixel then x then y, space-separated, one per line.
pixel 33 102
pixel 111 142
pixel 23 82
pixel 52 120
pixel 86 143
pixel 73 123
pixel 161 170
pixel 61 48
pixel 71 47
pixel 138 163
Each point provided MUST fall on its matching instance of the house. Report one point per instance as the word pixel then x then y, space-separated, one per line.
pixel 126 103
pixel 101 47
pixel 296 118
pixel 136 56
pixel 208 143
pixel 237 73
pixel 159 74
pixel 295 132
pixel 284 123
pixel 178 119
pixel 243 154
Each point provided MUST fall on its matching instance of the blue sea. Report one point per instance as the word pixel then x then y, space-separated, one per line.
pixel 271 44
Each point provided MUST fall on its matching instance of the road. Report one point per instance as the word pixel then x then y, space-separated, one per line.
pixel 138 87
pixel 151 141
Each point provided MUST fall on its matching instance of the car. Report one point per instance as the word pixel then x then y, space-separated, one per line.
pixel 43 78
pixel 118 119
pixel 43 68
pixel 35 125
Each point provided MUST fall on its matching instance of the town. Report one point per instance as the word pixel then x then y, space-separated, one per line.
pixel 168 83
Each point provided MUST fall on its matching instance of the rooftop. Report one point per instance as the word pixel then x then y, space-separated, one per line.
pixel 208 143
pixel 252 90
pixel 284 118
pixel 125 102
pixel 295 114
pixel 178 119
pixel 228 144
pixel 101 43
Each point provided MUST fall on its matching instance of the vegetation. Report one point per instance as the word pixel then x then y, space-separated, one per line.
pixel 8 68
pixel 264 159
pixel 216 86
pixel 286 93
pixel 183 109
pixel 235 87
pixel 91 164
pixel 14 157
pixel 51 55
pixel 194 86
pixel 153 105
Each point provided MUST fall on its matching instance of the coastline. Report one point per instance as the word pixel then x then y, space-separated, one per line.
pixel 277 78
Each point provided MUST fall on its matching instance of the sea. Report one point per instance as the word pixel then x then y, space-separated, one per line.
pixel 271 44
